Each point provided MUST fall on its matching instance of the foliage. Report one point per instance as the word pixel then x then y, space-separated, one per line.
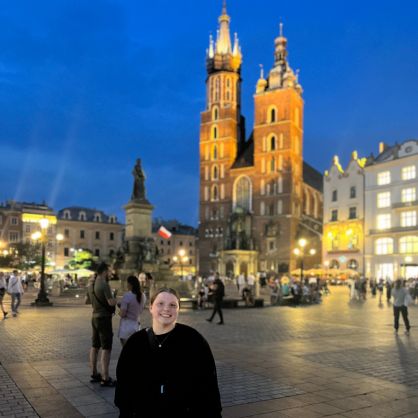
pixel 83 259
pixel 23 256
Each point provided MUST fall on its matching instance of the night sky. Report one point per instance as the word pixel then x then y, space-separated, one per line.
pixel 86 87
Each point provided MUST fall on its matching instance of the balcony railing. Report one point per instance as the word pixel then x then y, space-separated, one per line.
pixel 392 230
pixel 401 205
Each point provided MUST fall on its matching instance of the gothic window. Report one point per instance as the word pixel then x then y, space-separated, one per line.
pixel 215 194
pixel 214 132
pixel 215 113
pixel 215 153
pixel 242 193
pixel 215 173
pixel 217 89
pixel 272 114
pixel 272 143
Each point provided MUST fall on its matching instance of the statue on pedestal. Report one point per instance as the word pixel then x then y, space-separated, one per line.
pixel 138 192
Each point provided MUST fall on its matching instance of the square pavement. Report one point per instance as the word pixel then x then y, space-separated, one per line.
pixel 336 359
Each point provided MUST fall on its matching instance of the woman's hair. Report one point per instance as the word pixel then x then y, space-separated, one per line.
pixel 165 290
pixel 136 288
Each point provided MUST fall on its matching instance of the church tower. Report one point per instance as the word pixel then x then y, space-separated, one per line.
pixel 278 162
pixel 221 136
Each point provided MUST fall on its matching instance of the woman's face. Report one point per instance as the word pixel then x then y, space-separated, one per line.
pixel 165 310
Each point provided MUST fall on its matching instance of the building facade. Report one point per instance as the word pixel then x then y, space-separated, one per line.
pixel 180 250
pixel 391 202
pixel 343 237
pixel 88 229
pixel 20 220
pixel 257 195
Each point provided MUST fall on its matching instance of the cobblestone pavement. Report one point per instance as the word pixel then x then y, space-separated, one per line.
pixel 334 359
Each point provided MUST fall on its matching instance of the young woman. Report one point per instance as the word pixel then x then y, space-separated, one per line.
pixel 157 373
pixel 131 306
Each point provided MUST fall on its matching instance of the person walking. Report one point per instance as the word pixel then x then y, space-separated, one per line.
pixel 218 292
pixel 400 302
pixel 15 290
pixel 178 377
pixel 100 296
pixel 388 289
pixel 131 306
pixel 3 287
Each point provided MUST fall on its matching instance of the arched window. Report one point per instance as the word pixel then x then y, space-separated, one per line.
pixel 272 114
pixel 272 143
pixel 408 244
pixel 215 194
pixel 82 216
pixel 215 153
pixel 242 193
pixel 217 89
pixel 334 264
pixel 384 246
pixel 215 172
pixel 214 132
pixel 353 264
pixel 67 214
pixel 215 113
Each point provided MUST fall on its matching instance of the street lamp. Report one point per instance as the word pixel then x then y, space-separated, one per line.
pixel 42 237
pixel 299 251
pixel 180 259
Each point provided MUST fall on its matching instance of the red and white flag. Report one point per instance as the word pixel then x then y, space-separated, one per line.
pixel 164 232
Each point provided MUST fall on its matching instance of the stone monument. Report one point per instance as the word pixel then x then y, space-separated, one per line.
pixel 139 252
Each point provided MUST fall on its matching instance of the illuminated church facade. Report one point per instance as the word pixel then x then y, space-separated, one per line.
pixel 257 195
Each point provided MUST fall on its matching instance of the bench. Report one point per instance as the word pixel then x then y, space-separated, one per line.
pixel 188 303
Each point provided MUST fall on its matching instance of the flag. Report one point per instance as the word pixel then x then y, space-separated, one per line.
pixel 164 232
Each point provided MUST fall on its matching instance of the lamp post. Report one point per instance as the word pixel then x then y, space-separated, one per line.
pixel 299 251
pixel 180 259
pixel 42 237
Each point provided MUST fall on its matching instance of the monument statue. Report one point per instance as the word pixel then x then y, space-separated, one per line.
pixel 138 192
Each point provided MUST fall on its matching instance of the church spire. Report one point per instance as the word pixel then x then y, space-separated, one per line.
pixel 281 75
pixel 223 44
pixel 222 54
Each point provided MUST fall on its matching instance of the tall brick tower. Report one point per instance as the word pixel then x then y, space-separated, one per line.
pixel 221 136
pixel 257 195
pixel 278 162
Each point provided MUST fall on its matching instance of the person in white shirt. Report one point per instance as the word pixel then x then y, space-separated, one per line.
pixel 251 282
pixel 241 282
pixel 2 293
pixel 16 291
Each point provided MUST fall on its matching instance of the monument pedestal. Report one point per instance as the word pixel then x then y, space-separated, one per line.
pixel 139 249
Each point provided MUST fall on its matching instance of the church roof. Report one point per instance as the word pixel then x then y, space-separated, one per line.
pixel 245 157
pixel 312 177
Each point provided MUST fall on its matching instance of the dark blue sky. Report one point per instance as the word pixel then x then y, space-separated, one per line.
pixel 86 87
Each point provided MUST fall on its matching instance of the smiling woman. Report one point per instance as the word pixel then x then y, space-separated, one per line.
pixel 170 365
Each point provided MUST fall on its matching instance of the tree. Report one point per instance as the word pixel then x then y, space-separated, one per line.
pixel 22 256
pixel 83 259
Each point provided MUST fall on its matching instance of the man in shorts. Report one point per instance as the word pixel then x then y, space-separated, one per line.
pixel 103 301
